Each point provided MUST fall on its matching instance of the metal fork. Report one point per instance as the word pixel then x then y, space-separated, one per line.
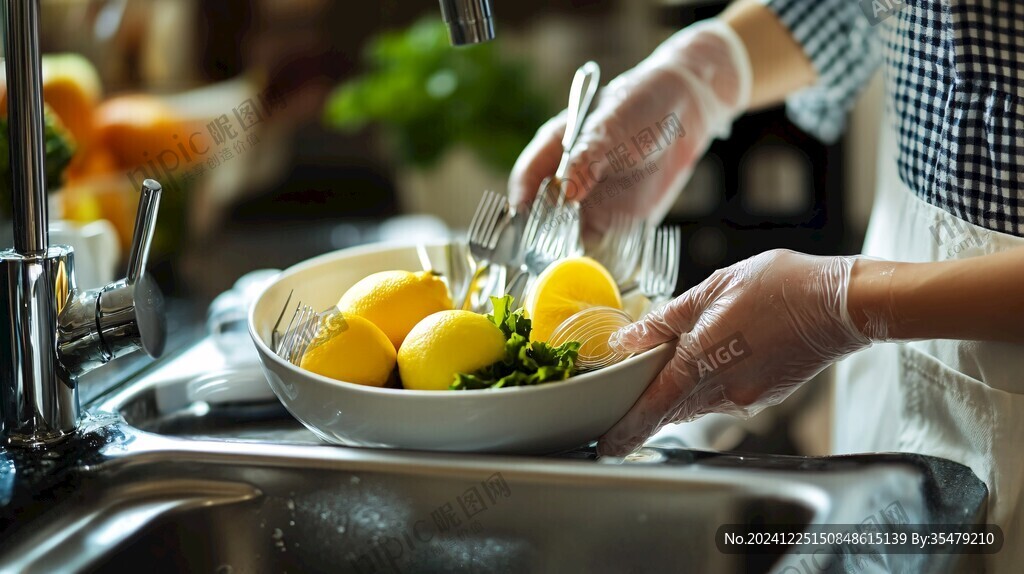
pixel 622 247
pixel 489 221
pixel 659 271
pixel 299 333
pixel 543 241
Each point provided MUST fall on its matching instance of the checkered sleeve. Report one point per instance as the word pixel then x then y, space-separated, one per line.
pixel 840 41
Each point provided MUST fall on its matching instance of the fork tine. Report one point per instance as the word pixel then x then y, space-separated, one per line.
pixel 530 229
pixel 612 237
pixel 483 213
pixel 491 209
pixel 669 267
pixel 303 334
pixel 276 334
pixel 302 329
pixel 478 225
pixel 537 219
pixel 500 208
pixel 289 346
pixel 288 332
pixel 491 215
pixel 666 258
pixel 311 327
pixel 550 243
pixel 489 222
pixel 677 244
pixel 669 251
pixel 659 261
pixel 293 334
pixel 474 223
pixel 656 263
pixel 648 262
pixel 485 230
pixel 631 250
pixel 494 213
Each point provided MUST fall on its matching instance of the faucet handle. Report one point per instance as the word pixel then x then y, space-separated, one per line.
pixel 103 324
pixel 145 226
pixel 130 312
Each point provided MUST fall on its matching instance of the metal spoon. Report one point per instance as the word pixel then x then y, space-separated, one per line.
pixel 581 96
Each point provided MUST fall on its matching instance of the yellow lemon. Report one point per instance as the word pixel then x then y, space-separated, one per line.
pixel 565 288
pixel 351 349
pixel 396 300
pixel 445 344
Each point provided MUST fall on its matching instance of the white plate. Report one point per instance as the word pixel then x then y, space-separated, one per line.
pixel 542 419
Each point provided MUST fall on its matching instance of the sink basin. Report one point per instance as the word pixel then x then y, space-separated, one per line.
pixel 303 509
pixel 162 483
pixel 320 507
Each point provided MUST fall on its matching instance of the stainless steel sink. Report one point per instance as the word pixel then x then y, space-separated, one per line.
pixel 161 485
pixel 239 508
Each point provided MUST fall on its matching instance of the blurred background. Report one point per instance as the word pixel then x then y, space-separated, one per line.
pixel 283 129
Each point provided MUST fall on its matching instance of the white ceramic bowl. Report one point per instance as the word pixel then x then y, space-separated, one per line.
pixel 542 419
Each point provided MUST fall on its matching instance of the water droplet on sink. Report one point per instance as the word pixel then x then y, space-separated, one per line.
pixel 278 535
pixel 341 530
pixel 291 523
pixel 291 504
pixel 354 480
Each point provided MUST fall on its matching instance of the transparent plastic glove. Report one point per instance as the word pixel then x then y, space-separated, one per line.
pixel 746 338
pixel 648 126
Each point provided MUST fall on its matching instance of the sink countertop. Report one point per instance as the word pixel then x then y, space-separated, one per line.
pixel 34 486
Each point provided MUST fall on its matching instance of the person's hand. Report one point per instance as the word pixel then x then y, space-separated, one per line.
pixel 649 126
pixel 746 338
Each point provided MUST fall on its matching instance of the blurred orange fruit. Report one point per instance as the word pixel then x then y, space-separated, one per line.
pixel 90 162
pixel 72 89
pixel 140 128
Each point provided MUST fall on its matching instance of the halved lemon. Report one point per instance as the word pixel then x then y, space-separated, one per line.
pixel 565 288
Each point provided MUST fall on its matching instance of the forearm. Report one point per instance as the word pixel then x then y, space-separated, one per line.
pixel 778 63
pixel 981 298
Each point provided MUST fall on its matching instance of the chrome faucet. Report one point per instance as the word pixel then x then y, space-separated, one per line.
pixel 469 21
pixel 50 333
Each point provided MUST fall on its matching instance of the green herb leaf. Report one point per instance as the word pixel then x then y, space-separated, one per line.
pixel 525 363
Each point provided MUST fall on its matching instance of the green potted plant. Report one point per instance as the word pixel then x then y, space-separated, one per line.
pixel 454 118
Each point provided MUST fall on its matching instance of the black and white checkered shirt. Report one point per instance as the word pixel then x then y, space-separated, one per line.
pixel 955 83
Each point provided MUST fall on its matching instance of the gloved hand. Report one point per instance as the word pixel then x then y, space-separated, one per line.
pixel 647 129
pixel 746 338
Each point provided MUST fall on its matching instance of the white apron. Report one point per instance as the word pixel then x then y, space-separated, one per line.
pixel 958 400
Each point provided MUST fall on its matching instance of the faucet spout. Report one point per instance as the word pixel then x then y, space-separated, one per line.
pixel 25 113
pixel 33 276
pixel 469 21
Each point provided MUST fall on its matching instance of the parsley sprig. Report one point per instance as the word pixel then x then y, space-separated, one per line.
pixel 525 363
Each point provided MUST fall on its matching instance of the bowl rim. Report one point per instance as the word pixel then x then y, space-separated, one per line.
pixel 268 353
